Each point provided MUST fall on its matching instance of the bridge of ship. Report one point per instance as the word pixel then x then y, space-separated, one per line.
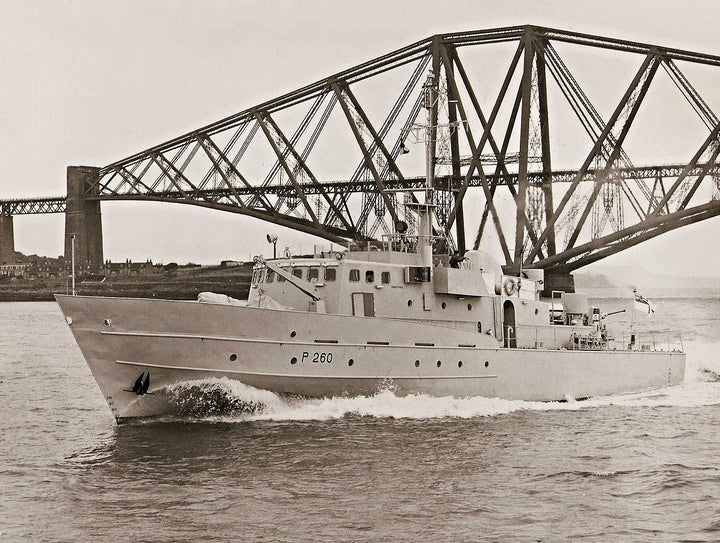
pixel 329 159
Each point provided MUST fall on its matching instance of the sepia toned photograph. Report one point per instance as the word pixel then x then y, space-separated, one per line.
pixel 380 271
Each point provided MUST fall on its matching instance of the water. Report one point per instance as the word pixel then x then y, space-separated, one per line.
pixel 638 467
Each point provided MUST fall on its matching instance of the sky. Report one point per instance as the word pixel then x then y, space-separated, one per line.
pixel 91 82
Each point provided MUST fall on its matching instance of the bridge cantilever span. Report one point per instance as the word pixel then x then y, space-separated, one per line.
pixel 326 158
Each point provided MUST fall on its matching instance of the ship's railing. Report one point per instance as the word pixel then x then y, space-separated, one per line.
pixel 553 336
pixel 509 337
pixel 664 340
pixel 400 243
pixel 586 339
pixel 394 242
pixel 407 243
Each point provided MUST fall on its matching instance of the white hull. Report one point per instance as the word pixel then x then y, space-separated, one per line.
pixel 322 355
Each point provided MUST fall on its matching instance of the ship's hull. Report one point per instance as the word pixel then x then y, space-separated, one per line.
pixel 320 355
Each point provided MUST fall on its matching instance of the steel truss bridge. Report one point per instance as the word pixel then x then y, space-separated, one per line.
pixel 31 206
pixel 499 108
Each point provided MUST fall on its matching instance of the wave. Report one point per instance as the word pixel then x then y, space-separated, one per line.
pixel 231 401
pixel 703 361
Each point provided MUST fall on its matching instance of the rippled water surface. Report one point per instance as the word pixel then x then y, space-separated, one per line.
pixel 641 467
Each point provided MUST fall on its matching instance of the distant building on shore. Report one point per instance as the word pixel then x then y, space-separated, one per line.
pixel 130 268
pixel 33 267
pixel 13 270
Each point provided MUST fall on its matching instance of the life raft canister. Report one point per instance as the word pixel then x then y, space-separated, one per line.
pixel 510 286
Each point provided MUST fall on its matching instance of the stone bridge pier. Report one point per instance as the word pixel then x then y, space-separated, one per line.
pixel 82 219
pixel 7 238
pixel 558 281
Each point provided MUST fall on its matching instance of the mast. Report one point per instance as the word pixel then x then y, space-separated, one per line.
pixel 425 210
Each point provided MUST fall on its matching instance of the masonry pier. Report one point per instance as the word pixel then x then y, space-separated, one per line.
pixel 83 218
pixel 558 281
pixel 7 239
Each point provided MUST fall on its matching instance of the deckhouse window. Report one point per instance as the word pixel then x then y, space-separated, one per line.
pixel 270 276
pixel 385 278
pixel 370 276
pixel 297 272
pixel 330 274
pixel 313 274
pixel 354 275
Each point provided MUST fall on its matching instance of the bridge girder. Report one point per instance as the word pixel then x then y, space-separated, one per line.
pixel 31 206
pixel 286 160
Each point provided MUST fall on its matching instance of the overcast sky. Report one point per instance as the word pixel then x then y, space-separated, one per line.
pixel 91 82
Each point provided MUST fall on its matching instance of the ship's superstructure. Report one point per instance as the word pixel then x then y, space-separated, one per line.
pixel 469 294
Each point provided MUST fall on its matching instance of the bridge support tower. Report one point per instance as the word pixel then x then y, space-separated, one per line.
pixel 558 281
pixel 7 239
pixel 82 218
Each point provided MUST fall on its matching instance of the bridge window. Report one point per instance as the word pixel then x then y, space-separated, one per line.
pixel 330 274
pixel 298 272
pixel 355 275
pixel 313 274
pixel 370 276
pixel 385 278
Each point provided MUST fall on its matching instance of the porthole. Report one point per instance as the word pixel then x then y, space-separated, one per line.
pixel 351 362
pixel 439 363
pixel 443 305
pixel 487 363
pixel 417 363
pixel 293 333
pixel 107 322
pixel 293 360
pixel 233 357
pixel 409 303
pixel 536 310
pixel 469 307
pixel 460 364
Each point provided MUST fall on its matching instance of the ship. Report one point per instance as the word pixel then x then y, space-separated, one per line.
pixel 355 322
pixel 404 313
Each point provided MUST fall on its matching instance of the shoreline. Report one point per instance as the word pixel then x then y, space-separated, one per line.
pixel 177 284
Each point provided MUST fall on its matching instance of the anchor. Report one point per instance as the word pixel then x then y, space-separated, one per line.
pixel 142 383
